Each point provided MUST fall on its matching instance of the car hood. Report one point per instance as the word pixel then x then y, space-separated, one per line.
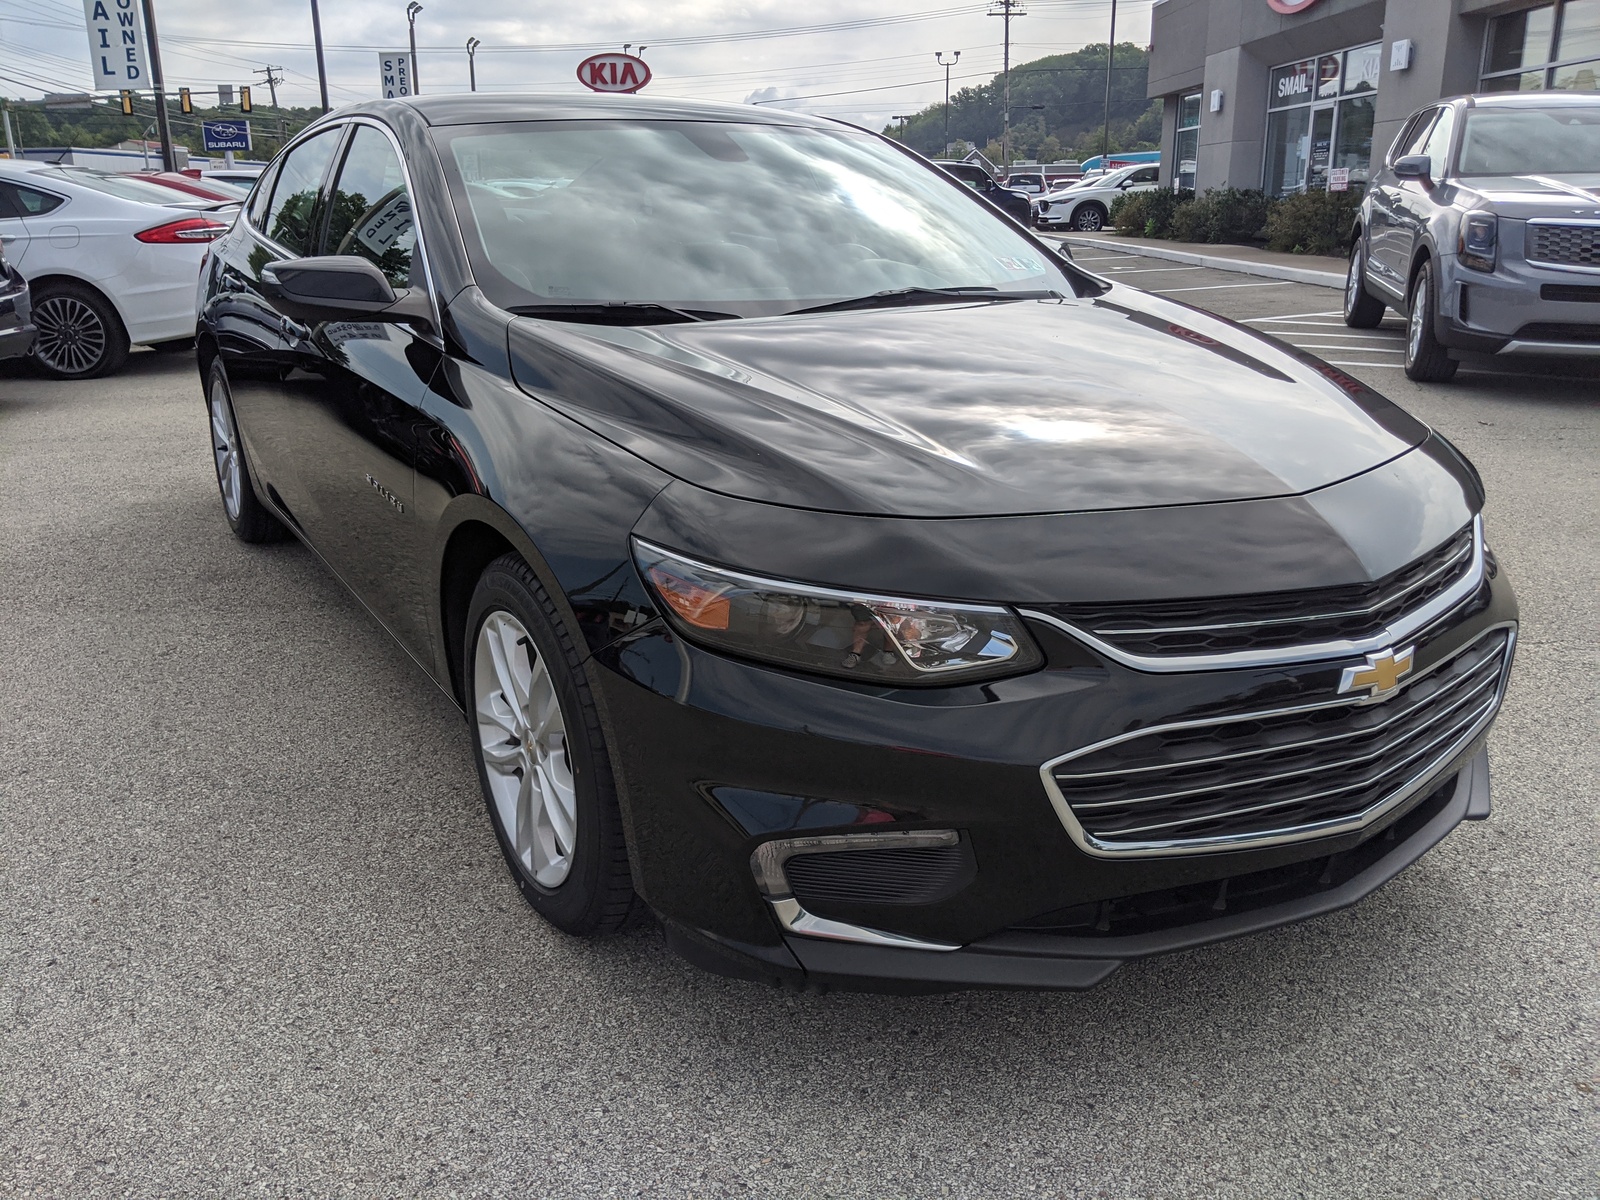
pixel 1524 196
pixel 1121 401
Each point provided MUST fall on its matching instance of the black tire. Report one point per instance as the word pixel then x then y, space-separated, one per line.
pixel 596 896
pixel 80 334
pixel 1362 310
pixel 250 520
pixel 1089 218
pixel 1427 361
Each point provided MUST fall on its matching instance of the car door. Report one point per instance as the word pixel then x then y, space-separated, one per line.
pixel 352 391
pixel 1417 199
pixel 281 223
pixel 1386 254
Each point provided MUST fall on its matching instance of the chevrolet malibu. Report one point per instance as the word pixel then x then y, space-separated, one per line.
pixel 825 566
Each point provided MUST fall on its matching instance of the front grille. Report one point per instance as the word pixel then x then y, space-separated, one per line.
pixel 913 875
pixel 1273 620
pixel 1282 773
pixel 1566 245
pixel 1558 331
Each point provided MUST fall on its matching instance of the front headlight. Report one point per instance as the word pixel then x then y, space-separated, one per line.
pixel 875 639
pixel 1478 241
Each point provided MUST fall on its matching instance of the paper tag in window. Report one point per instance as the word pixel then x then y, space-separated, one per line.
pixel 1020 264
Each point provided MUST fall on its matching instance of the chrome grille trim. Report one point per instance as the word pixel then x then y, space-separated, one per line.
pixel 1437 753
pixel 1563 243
pixel 1399 632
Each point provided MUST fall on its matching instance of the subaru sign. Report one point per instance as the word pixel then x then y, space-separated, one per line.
pixel 225 135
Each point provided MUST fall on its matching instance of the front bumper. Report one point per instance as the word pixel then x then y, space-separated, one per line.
pixel 17 342
pixel 717 759
pixel 1521 308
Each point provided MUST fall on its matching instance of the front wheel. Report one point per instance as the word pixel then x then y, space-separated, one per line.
pixel 247 516
pixel 1090 218
pixel 1362 310
pixel 542 761
pixel 1427 361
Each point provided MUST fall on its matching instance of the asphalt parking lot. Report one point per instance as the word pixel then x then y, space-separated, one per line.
pixel 256 937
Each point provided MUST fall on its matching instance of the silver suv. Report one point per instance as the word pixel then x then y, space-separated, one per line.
pixel 1483 227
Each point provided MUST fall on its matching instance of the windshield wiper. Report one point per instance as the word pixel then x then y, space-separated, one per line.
pixel 620 312
pixel 900 297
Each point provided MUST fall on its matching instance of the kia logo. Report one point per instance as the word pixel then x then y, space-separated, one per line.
pixel 613 73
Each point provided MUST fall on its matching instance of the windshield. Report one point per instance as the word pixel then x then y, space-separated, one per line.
pixel 120 186
pixel 1531 141
pixel 743 219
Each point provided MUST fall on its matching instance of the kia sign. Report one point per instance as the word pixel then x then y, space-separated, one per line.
pixel 225 135
pixel 613 73
pixel 1290 7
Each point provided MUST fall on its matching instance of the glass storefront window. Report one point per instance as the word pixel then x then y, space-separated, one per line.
pixel 1288 150
pixel 1361 67
pixel 1189 111
pixel 1353 149
pixel 1580 30
pixel 1328 77
pixel 1552 46
pixel 1292 84
pixel 1519 40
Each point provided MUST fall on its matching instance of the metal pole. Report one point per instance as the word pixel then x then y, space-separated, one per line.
pixel 1005 137
pixel 322 68
pixel 11 141
pixel 412 10
pixel 169 160
pixel 939 58
pixel 472 63
pixel 1111 50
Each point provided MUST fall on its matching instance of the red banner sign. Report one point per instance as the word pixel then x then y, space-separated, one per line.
pixel 1290 6
pixel 613 73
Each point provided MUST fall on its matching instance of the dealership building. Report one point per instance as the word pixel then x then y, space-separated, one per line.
pixel 1287 95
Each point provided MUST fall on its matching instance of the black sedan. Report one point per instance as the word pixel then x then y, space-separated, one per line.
pixel 17 331
pixel 828 568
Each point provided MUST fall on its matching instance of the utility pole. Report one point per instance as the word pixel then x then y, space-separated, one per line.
pixel 272 81
pixel 904 122
pixel 11 141
pixel 1006 9
pixel 169 160
pixel 472 63
pixel 412 10
pixel 1111 52
pixel 322 69
pixel 939 58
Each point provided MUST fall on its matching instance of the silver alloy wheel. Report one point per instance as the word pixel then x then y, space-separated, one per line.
pixel 1352 285
pixel 523 736
pixel 72 337
pixel 225 448
pixel 1419 314
pixel 1088 219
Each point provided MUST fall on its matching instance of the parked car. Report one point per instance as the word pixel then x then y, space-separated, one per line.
pixel 1483 228
pixel 216 190
pixel 16 319
pixel 1086 205
pixel 112 261
pixel 1014 204
pixel 1030 183
pixel 874 597
pixel 244 177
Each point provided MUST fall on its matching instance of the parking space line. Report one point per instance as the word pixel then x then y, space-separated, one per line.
pixel 1217 287
pixel 1347 349
pixel 1146 270
pixel 1333 312
pixel 1102 257
pixel 1333 362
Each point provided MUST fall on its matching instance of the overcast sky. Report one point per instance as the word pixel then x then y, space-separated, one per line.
pixel 712 49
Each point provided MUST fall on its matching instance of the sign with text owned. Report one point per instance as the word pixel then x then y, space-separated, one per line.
pixel 117 57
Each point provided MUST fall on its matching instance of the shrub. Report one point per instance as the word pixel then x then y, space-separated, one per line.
pixel 1313 222
pixel 1223 215
pixel 1148 214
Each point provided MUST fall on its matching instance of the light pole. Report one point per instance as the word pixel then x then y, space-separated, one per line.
pixel 472 63
pixel 322 70
pixel 1111 52
pixel 1020 108
pixel 904 121
pixel 939 58
pixel 412 10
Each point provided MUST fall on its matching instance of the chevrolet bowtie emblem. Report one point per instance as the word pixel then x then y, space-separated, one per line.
pixel 1380 675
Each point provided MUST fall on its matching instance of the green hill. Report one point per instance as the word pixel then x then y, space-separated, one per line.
pixel 1072 90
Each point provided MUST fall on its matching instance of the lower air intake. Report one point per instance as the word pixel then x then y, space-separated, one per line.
pixel 920 875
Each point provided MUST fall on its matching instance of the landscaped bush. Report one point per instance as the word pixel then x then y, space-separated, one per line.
pixel 1312 222
pixel 1148 214
pixel 1224 215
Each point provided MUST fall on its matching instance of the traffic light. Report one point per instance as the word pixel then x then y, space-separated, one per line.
pixel 244 99
pixel 127 103
pixel 183 100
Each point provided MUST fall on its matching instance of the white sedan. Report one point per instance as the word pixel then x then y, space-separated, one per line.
pixel 112 261
pixel 1086 205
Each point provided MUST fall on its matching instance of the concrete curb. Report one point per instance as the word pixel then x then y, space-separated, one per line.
pixel 1218 262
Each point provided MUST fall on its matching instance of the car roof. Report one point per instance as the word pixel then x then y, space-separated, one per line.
pixel 481 108
pixel 21 165
pixel 1526 100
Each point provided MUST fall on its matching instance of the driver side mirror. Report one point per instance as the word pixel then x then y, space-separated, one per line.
pixel 341 287
pixel 1414 166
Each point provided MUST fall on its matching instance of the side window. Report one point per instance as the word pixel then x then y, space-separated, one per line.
pixel 1147 175
pixel 1410 141
pixel 291 215
pixel 8 206
pixel 370 215
pixel 30 202
pixel 260 196
pixel 1437 147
